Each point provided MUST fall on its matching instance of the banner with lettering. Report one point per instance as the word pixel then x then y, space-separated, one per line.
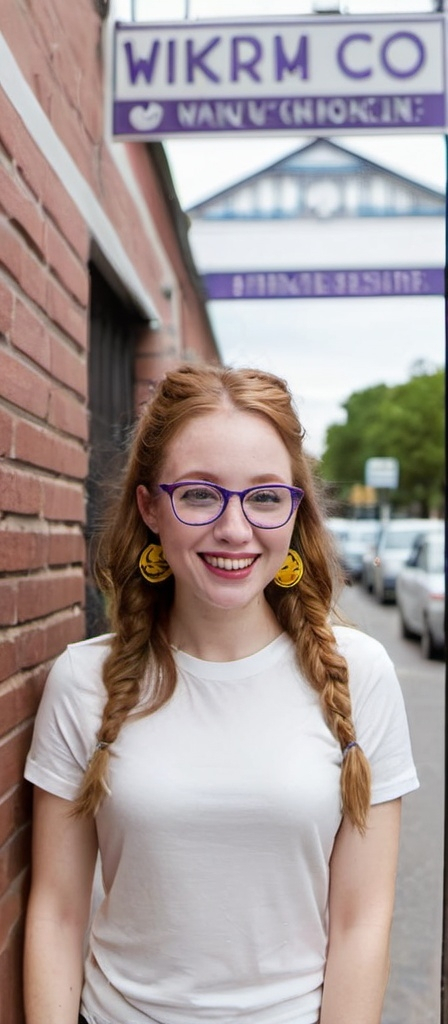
pixel 306 76
pixel 324 284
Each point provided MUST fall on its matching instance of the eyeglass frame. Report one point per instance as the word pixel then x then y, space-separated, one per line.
pixel 296 493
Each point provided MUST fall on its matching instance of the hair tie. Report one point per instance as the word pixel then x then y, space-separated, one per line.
pixel 353 743
pixel 102 745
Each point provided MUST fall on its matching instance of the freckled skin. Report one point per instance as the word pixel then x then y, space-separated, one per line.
pixel 237 450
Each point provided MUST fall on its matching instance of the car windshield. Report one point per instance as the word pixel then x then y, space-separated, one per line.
pixel 399 539
pixel 368 536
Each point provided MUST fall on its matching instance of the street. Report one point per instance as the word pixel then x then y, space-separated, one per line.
pixel 414 989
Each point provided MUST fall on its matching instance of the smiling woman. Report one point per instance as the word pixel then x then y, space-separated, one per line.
pixel 248 833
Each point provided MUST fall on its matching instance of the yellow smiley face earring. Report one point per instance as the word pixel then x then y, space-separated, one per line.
pixel 291 571
pixel 153 564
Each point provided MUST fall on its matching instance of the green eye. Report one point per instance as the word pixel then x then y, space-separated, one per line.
pixel 198 496
pixel 264 498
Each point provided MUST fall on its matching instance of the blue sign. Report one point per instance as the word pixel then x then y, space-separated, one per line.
pixel 324 284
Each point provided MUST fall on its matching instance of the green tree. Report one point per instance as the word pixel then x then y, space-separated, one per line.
pixel 405 422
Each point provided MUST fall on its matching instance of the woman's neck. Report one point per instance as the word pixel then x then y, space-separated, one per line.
pixel 223 635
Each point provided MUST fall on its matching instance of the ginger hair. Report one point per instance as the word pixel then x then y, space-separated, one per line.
pixel 139 613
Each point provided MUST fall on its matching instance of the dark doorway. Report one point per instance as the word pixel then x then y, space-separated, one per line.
pixel 111 409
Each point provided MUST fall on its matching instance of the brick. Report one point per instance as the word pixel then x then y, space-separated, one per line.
pixel 68 366
pixel 8 658
pixel 91 87
pixel 22 149
pixel 6 308
pixel 19 698
pixel 43 448
pixel 15 810
pixel 13 902
pixel 22 547
pixel 66 215
pixel 11 983
pixel 10 124
pixel 33 278
pixel 29 335
pixel 72 274
pixel 67 628
pixel 21 264
pixel 22 209
pixel 13 750
pixel 67 413
pixel 11 248
pixel 66 547
pixel 23 386
pixel 70 72
pixel 20 33
pixel 69 127
pixel 31 646
pixel 8 602
pixel 83 32
pixel 67 314
pixel 6 432
pixel 20 491
pixel 38 643
pixel 51 35
pixel 14 859
pixel 44 593
pixel 63 501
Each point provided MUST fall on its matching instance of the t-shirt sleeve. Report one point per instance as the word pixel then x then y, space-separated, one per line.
pixel 66 724
pixel 380 718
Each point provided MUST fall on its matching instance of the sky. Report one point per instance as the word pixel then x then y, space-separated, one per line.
pixel 321 374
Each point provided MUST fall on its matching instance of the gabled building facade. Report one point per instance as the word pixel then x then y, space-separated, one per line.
pixel 357 249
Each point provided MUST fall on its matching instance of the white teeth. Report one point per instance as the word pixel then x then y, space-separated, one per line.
pixel 229 563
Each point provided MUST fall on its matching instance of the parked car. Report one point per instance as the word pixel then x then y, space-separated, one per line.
pixel 361 535
pixel 420 592
pixel 394 547
pixel 337 526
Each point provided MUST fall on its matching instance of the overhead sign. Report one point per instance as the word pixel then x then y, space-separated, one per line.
pixel 292 76
pixel 324 284
pixel 382 473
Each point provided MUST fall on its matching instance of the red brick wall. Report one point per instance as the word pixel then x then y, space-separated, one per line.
pixel 43 433
pixel 45 246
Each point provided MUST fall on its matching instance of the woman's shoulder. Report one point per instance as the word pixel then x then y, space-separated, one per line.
pixel 81 664
pixel 369 663
pixel 353 642
pixel 371 672
pixel 93 649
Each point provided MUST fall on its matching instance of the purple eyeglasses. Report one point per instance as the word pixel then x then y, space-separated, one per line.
pixel 267 506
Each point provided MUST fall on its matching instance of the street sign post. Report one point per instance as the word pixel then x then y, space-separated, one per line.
pixel 382 473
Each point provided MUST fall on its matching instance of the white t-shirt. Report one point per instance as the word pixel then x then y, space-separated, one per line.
pixel 216 838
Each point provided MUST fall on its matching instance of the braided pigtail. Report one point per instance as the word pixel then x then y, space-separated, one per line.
pixel 124 669
pixel 304 612
pixel 139 671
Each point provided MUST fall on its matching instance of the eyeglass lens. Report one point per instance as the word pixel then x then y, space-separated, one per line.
pixel 263 506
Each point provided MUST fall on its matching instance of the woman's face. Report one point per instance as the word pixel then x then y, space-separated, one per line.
pixel 229 562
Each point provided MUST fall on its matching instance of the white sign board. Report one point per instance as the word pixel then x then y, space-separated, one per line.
pixel 315 76
pixel 382 472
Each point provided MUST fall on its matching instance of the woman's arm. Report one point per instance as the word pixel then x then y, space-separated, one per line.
pixel 64 856
pixel 362 890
